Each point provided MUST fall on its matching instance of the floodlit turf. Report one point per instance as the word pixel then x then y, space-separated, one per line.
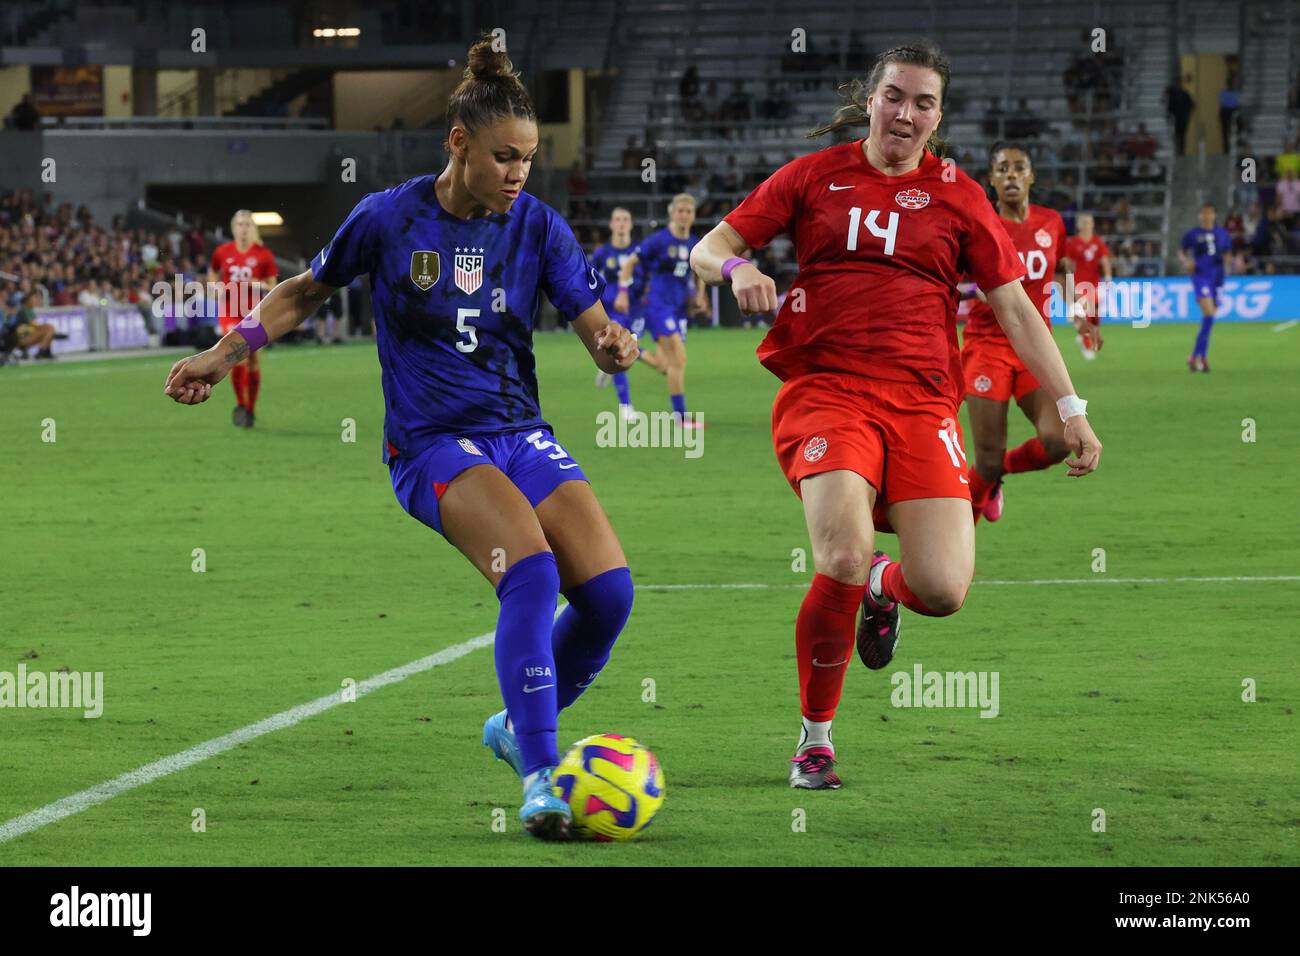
pixel 1122 697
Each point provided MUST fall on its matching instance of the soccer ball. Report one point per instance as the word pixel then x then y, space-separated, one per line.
pixel 613 785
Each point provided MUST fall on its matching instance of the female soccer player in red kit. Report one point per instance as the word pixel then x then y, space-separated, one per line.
pixel 994 373
pixel 246 271
pixel 865 425
pixel 1090 257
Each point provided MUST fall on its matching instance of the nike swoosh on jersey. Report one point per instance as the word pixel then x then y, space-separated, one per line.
pixel 836 189
pixel 962 479
pixel 532 690
pixel 817 663
pixel 567 467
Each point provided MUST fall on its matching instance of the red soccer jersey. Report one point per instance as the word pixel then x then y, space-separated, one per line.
pixel 879 260
pixel 1040 241
pixel 236 270
pixel 1087 257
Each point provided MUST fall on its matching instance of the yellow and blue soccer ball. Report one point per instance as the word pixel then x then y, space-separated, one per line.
pixel 613 785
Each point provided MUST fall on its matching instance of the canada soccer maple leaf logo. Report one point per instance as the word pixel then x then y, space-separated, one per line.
pixel 913 198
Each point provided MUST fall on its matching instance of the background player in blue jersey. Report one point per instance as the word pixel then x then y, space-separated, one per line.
pixel 1203 254
pixel 458 264
pixel 674 292
pixel 624 300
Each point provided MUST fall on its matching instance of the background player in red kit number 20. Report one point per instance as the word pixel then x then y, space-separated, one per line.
pixel 247 271
pixel 865 425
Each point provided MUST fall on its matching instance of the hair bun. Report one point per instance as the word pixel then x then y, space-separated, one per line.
pixel 485 63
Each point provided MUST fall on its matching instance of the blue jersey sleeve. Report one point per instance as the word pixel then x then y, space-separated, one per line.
pixel 354 250
pixel 1189 240
pixel 648 249
pixel 571 282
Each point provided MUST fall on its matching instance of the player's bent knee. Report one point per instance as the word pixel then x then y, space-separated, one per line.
pixel 847 564
pixel 944 600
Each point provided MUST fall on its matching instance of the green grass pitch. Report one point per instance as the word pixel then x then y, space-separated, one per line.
pixel 1124 697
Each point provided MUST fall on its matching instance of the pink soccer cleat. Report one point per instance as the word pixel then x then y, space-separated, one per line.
pixel 993 506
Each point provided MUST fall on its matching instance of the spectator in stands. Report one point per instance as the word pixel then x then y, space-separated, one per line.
pixel 1125 223
pixel 993 120
pixel 196 247
pixel 1288 159
pixel 1140 144
pixel 1288 199
pixel 1235 225
pixel 174 242
pixel 1149 267
pixel 1271 235
pixel 1126 262
pixel 25 117
pixel 1179 105
pixel 1250 224
pixel 1024 123
pixel 736 107
pixel 688 87
pixel 1229 104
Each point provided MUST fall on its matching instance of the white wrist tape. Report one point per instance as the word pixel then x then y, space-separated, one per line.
pixel 1071 405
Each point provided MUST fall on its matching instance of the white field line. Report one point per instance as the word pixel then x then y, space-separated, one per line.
pixel 102 793
pixel 1283 326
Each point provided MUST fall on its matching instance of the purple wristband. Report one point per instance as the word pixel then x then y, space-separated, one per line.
pixel 254 333
pixel 730 265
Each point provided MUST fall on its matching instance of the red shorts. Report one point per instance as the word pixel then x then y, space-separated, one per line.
pixel 903 438
pixel 993 370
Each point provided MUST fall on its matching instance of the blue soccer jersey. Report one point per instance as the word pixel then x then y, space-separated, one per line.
pixel 609 261
pixel 1208 247
pixel 667 261
pixel 455 302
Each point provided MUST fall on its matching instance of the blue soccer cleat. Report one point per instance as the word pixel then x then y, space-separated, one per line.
pixel 545 814
pixel 502 742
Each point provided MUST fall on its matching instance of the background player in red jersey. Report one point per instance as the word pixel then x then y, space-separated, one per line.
pixel 865 426
pixel 247 271
pixel 1090 256
pixel 993 372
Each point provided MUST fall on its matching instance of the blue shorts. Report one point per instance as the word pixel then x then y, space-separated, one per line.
pixel 664 320
pixel 531 459
pixel 1207 288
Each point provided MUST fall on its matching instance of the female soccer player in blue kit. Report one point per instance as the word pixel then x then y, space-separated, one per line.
pixel 458 263
pixel 673 292
pixel 1203 253
pixel 623 299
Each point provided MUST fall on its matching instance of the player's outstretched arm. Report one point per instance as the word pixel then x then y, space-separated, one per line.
pixel 755 292
pixel 612 347
pixel 1034 344
pixel 284 309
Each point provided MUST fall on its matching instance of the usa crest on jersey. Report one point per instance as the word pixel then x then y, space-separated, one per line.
pixel 424 269
pixel 469 270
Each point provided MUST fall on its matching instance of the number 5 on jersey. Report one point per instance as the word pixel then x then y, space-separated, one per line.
pixel 889 233
pixel 464 328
